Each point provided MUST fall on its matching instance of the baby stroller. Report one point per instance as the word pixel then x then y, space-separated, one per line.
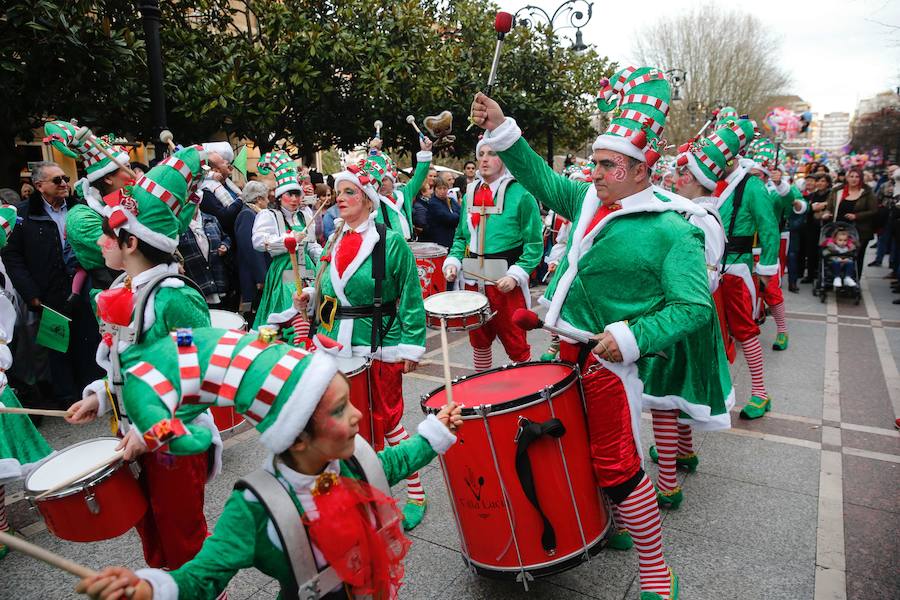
pixel 825 276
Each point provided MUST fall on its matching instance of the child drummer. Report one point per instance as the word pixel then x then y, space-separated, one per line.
pixel 331 476
pixel 140 237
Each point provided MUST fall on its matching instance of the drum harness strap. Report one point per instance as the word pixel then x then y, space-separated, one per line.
pixel 309 582
pixel 133 335
pixel 736 244
pixel 529 432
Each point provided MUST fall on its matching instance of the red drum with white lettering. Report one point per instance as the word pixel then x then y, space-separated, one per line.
pixel 101 506
pixel 430 264
pixel 520 479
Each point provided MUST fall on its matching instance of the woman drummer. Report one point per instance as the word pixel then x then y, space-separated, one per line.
pixel 273 225
pixel 346 302
pixel 314 454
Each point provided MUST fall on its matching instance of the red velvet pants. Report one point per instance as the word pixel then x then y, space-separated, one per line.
pixel 501 326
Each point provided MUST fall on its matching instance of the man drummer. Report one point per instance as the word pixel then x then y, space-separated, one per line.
pixel 498 243
pixel 140 237
pixel 635 271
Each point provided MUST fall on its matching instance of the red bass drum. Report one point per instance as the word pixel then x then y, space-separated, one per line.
pixel 519 478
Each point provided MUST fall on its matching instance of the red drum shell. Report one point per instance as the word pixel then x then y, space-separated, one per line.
pixel 463 323
pixel 116 492
pixel 226 418
pixel 358 375
pixel 430 265
pixel 482 513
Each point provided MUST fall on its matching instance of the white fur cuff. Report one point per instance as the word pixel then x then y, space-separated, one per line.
pixel 625 340
pixel 410 352
pixel 437 435
pixel 783 188
pixel 767 270
pixel 423 156
pixel 164 586
pixel 504 136
pixel 98 387
pixel 282 318
pixel 519 274
pixel 452 261
pixel 804 206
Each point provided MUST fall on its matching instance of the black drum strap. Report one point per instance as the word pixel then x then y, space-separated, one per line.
pixel 529 431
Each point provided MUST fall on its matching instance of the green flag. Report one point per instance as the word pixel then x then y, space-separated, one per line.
pixel 240 161
pixel 53 331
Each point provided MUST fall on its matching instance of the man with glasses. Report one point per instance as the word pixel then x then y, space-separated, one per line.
pixel 41 264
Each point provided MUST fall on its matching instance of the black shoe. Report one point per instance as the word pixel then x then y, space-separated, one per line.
pixel 897 301
pixel 793 288
pixel 806 280
pixel 875 263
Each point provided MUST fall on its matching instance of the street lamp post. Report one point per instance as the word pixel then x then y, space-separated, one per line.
pixel 577 13
pixel 150 15
pixel 677 78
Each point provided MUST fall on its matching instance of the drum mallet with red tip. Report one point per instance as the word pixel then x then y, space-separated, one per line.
pixel 528 320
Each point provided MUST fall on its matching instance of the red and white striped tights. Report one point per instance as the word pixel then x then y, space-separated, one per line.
pixel 639 514
pixel 665 432
pixel 754 355
pixel 483 358
pixel 414 489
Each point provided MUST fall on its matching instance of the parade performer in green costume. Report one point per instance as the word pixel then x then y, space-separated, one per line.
pixel 635 279
pixel 104 175
pixel 497 244
pixel 270 229
pixel 396 206
pixel 328 523
pixel 21 446
pixel 142 306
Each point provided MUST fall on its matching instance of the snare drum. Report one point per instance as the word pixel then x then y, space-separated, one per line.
pixel 224 319
pixel 356 368
pixel 226 418
pixel 430 264
pixel 101 506
pixel 463 310
pixel 500 529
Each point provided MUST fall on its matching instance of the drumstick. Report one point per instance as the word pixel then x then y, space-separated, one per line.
pixel 311 221
pixel 445 351
pixel 81 475
pixel 106 153
pixel 51 558
pixel 482 277
pixel 166 137
pixel 11 410
pixel 290 244
pixel 412 121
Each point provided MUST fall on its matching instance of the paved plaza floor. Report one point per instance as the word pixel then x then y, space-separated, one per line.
pixel 801 504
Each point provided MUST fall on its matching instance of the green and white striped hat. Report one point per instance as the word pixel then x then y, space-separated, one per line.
pixel 8 216
pixel 74 141
pixel 639 101
pixel 764 155
pixel 285 169
pixel 709 157
pixel 725 115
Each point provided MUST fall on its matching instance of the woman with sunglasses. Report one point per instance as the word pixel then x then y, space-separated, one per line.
pixel 270 229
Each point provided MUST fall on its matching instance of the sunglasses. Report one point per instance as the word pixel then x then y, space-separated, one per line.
pixel 59 179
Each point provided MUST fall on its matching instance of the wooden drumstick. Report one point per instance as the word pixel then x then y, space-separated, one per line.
pixel 12 410
pixel 481 277
pixel 81 475
pixel 166 137
pixel 106 153
pixel 51 558
pixel 445 351
pixel 412 121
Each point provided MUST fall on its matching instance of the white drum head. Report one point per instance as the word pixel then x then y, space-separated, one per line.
pixel 427 249
pixel 226 320
pixel 69 461
pixel 461 302
pixel 352 365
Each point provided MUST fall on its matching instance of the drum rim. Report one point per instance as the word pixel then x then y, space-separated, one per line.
pixel 412 247
pixel 239 315
pixel 78 486
pixel 367 362
pixel 520 402
pixel 486 308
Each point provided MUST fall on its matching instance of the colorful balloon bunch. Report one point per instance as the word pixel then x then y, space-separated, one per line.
pixel 783 122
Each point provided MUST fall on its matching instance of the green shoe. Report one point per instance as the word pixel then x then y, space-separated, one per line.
pixel 781 342
pixel 685 461
pixel 548 356
pixel 4 550
pixel 756 407
pixel 620 540
pixel 671 499
pixel 673 590
pixel 413 513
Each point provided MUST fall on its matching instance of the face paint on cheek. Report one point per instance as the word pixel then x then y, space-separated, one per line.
pixel 621 171
pixel 107 243
pixel 684 180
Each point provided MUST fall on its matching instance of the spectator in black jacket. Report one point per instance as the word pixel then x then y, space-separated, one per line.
pixel 441 216
pixel 251 264
pixel 41 264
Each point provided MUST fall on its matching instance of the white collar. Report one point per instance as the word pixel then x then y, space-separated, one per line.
pixel 302 484
pixel 361 228
pixel 146 276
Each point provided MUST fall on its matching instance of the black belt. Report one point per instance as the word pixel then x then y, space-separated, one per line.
pixel 511 256
pixel 362 312
pixel 739 244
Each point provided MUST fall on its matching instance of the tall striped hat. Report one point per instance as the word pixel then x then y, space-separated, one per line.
pixel 74 141
pixel 639 101
pixel 160 205
pixel 725 115
pixel 764 155
pixel 275 386
pixel 284 168
pixel 708 158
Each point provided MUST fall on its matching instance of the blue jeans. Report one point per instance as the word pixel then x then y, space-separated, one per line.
pixel 884 244
pixel 794 250
pixel 842 268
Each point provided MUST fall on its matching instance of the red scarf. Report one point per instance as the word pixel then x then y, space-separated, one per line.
pixel 483 197
pixel 347 251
